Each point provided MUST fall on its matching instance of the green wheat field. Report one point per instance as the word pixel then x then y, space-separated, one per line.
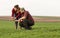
pixel 40 30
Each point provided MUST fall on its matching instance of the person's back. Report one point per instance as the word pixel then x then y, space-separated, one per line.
pixel 29 17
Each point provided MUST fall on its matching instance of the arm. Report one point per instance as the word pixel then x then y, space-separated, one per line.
pixel 25 16
pixel 12 13
pixel 22 18
pixel 12 16
pixel 18 15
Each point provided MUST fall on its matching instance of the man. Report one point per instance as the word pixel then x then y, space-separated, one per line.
pixel 15 14
pixel 26 19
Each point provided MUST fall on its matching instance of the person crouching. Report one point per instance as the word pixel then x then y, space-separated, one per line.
pixel 26 20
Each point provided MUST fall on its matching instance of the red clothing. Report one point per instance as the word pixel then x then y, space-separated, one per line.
pixel 19 15
pixel 27 15
pixel 14 14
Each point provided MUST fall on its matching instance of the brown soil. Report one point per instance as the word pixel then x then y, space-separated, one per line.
pixel 37 19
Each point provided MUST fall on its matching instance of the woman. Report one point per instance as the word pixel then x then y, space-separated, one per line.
pixel 15 14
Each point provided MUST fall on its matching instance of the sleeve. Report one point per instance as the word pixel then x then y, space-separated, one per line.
pixel 12 13
pixel 18 15
pixel 26 14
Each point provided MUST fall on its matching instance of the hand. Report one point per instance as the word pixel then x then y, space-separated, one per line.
pixel 12 18
pixel 19 20
pixel 16 20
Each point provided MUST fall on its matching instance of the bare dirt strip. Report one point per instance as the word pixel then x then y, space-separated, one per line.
pixel 37 18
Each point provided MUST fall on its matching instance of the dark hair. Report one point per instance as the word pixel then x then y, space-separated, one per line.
pixel 16 6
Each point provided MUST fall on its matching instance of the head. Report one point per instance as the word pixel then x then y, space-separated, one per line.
pixel 16 7
pixel 22 10
pixel 18 10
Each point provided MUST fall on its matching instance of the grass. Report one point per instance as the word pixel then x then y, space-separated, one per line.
pixel 40 30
